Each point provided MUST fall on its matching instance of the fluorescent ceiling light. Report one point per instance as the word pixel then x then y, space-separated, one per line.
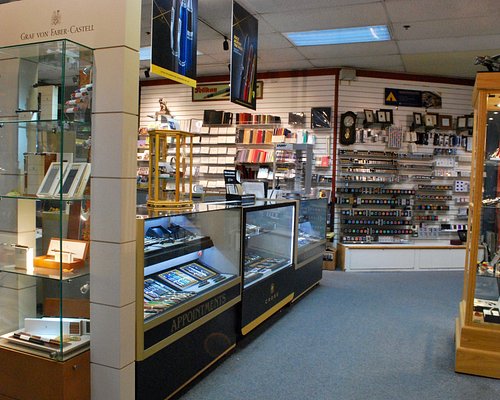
pixel 145 53
pixel 340 36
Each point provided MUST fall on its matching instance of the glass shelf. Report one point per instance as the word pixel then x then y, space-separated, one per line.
pixel 47 273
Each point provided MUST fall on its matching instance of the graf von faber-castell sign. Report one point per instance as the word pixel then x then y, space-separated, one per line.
pixel 56 29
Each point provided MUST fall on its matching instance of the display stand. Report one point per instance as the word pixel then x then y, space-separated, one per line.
pixel 170 184
pixel 268 268
pixel 477 335
pixel 188 273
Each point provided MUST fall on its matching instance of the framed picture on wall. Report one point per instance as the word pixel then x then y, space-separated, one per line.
pixel 431 120
pixel 369 117
pixel 417 119
pixel 470 121
pixel 461 122
pixel 381 116
pixel 321 117
pixel 445 121
pixel 388 116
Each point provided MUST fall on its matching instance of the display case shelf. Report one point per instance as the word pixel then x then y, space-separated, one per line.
pixel 45 124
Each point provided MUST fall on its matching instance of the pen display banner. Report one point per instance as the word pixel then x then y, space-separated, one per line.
pixel 244 58
pixel 173 40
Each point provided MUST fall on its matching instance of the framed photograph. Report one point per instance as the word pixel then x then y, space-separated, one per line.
pixel 388 116
pixel 470 121
pixel 50 182
pixel 296 118
pixel 417 119
pixel 369 117
pixel 321 117
pixel 435 118
pixel 381 116
pixel 428 120
pixel 445 121
pixel 461 122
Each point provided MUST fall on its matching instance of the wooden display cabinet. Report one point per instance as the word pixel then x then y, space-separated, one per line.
pixel 477 326
pixel 170 169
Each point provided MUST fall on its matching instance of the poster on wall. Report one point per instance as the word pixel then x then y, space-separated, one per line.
pixel 173 40
pixel 219 91
pixel 412 98
pixel 244 58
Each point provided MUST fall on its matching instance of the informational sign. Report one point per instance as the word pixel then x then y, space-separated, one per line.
pixel 244 58
pixel 411 98
pixel 173 40
pixel 219 91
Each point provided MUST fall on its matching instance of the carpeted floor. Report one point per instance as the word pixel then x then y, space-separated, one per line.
pixel 356 336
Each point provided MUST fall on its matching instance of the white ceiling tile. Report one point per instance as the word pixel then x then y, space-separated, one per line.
pixel 447 28
pixel 422 10
pixel 279 55
pixel 203 60
pixel 374 62
pixel 279 66
pixel 273 41
pixel 467 43
pixel 327 18
pixel 213 69
pixel 347 50
pixel 458 64
pixel 271 6
pixel 212 46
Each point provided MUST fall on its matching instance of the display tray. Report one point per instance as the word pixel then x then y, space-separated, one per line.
pixel 306 240
pixel 45 344
pixel 50 262
pixel 159 249
pixel 166 289
pixel 257 267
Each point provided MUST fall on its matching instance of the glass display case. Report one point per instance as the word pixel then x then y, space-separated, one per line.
pixel 268 252
pixel 170 169
pixel 188 274
pixel 311 241
pixel 478 324
pixel 45 128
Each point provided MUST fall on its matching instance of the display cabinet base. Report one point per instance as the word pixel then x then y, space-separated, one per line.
pixel 308 276
pixel 171 369
pixel 25 376
pixel 266 297
pixel 398 257
pixel 477 348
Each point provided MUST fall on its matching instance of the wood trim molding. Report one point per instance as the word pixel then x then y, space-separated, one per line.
pixel 403 76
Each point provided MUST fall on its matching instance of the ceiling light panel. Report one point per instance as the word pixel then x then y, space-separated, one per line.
pixel 361 34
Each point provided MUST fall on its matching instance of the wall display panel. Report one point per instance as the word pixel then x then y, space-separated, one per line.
pixel 281 96
pixel 401 159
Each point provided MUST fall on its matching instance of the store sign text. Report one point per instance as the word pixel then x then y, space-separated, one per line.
pixel 54 32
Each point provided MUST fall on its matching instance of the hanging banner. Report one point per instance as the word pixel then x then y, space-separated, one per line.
pixel 244 38
pixel 173 40
pixel 411 98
